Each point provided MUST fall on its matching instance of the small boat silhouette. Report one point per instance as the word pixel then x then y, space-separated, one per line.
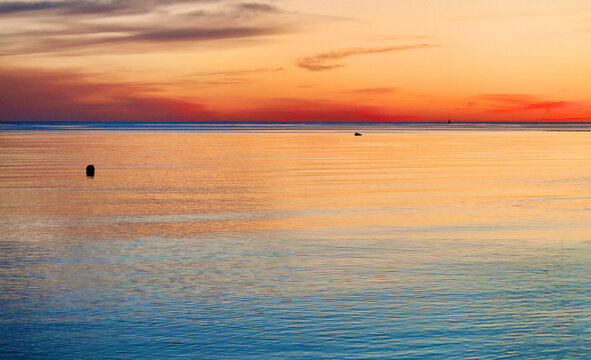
pixel 358 134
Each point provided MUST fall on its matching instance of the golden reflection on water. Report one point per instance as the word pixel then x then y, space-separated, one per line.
pixel 522 184
pixel 455 240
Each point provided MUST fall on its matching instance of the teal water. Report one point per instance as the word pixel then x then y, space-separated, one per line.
pixel 296 244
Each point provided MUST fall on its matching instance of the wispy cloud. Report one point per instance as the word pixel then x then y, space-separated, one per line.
pixel 373 91
pixel 258 7
pixel 516 103
pixel 242 72
pixel 89 6
pixel 198 34
pixel 223 78
pixel 517 15
pixel 206 79
pixel 85 24
pixel 406 37
pixel 17 6
pixel 328 60
pixel 192 35
pixel 232 77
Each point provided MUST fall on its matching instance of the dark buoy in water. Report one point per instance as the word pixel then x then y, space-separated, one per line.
pixel 90 170
pixel 358 134
pixel 448 121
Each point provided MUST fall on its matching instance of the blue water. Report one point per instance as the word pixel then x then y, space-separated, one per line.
pixel 295 244
pixel 283 126
pixel 164 303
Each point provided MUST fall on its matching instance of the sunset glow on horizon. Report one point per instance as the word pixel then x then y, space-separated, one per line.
pixel 288 60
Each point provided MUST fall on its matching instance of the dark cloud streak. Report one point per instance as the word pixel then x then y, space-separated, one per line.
pixel 194 34
pixel 166 36
pixel 242 72
pixel 258 7
pixel 374 91
pixel 325 61
pixel 15 7
pixel 90 6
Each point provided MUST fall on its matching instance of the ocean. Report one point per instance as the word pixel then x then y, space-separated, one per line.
pixel 295 241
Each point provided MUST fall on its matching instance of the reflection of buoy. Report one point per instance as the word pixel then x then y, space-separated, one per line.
pixel 90 170
pixel 357 134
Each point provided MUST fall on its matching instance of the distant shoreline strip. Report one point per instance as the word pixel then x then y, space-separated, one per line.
pixel 569 130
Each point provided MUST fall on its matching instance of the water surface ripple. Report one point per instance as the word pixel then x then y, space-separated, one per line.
pixel 295 245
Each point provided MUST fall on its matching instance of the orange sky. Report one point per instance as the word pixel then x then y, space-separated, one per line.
pixel 288 60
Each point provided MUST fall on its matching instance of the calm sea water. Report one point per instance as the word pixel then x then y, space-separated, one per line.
pixel 296 244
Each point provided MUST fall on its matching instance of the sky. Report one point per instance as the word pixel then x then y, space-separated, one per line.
pixel 295 60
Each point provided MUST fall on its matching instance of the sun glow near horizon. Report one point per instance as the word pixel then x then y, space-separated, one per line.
pixel 295 60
